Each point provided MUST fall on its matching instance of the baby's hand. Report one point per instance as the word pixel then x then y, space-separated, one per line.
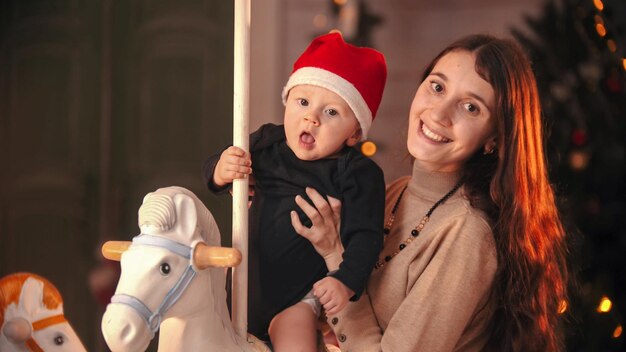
pixel 234 163
pixel 332 293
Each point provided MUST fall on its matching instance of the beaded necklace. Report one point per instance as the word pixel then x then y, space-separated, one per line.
pixel 417 229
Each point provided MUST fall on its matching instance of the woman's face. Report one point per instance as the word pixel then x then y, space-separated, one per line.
pixel 452 114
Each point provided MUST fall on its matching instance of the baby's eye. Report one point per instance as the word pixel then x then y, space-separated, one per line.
pixel 471 108
pixel 436 87
pixel 332 112
pixel 303 102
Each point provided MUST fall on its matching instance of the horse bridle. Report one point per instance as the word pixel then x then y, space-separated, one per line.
pixel 153 319
pixel 32 345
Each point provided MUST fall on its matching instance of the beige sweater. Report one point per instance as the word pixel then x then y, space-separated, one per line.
pixel 435 294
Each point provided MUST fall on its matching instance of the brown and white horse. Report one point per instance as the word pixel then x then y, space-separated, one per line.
pixel 31 316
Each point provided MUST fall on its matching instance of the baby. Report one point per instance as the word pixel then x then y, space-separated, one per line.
pixel 330 101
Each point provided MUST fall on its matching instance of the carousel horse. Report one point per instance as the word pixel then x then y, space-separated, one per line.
pixel 173 279
pixel 31 316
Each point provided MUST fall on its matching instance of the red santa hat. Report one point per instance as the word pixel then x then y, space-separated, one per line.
pixel 356 74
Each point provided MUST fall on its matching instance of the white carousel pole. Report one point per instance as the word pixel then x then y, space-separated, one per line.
pixel 241 93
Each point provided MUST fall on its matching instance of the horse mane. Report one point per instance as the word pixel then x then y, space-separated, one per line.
pixel 159 211
pixel 11 288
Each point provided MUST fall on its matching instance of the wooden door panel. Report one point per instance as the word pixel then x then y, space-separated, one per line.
pixel 48 221
pixel 100 103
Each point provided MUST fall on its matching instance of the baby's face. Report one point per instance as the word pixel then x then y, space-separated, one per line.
pixel 318 123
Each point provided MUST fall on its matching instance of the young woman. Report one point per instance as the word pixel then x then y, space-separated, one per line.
pixel 474 254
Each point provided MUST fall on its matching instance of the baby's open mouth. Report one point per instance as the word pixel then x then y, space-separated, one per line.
pixel 307 138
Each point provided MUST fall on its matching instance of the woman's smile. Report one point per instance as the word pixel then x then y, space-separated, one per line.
pixel 431 135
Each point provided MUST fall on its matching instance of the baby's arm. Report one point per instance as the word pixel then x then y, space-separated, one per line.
pixel 234 163
pixel 333 294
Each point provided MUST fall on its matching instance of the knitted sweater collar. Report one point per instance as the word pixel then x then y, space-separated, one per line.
pixel 432 185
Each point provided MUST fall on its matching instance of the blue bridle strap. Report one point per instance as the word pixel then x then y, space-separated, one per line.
pixel 153 320
pixel 156 241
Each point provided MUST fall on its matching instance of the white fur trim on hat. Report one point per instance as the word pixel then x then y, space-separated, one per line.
pixel 337 84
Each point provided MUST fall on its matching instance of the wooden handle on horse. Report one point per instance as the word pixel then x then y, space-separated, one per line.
pixel 112 250
pixel 208 256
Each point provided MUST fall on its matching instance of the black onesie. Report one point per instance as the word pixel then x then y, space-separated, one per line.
pixel 283 266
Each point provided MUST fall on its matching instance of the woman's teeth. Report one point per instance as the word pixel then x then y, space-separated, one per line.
pixel 433 136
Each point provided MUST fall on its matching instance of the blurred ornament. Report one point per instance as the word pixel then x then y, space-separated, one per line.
pixel 578 160
pixel 590 70
pixel 320 21
pixel 368 148
pixel 579 137
pixel 560 91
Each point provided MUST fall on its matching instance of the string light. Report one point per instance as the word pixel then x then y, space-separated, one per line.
pixel 605 305
pixel 562 306
pixel 368 148
pixel 600 29
pixel 611 45
pixel 598 4
pixel 598 19
pixel 617 332
pixel 603 27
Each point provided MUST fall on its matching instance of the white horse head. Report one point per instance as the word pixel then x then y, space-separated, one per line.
pixel 31 316
pixel 173 279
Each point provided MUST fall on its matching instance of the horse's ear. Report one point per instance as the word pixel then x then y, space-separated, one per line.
pixel 31 297
pixel 186 215
pixel 17 330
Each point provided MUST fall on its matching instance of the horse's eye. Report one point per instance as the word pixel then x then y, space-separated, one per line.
pixel 165 269
pixel 59 340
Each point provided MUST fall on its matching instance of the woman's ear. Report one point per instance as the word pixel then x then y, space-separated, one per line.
pixel 354 138
pixel 490 146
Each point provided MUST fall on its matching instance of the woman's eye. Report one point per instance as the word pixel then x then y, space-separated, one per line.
pixel 59 340
pixel 165 269
pixel 471 108
pixel 332 112
pixel 436 87
pixel 303 102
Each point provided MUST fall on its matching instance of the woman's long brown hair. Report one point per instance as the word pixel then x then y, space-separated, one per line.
pixel 512 187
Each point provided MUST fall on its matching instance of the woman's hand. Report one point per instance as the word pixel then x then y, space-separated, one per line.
pixel 324 233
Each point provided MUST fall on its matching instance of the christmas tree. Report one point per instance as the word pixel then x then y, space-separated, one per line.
pixel 578 53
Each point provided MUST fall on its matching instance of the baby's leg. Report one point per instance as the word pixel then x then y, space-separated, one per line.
pixel 294 329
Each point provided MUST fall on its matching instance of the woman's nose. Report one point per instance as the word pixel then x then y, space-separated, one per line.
pixel 312 118
pixel 441 113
